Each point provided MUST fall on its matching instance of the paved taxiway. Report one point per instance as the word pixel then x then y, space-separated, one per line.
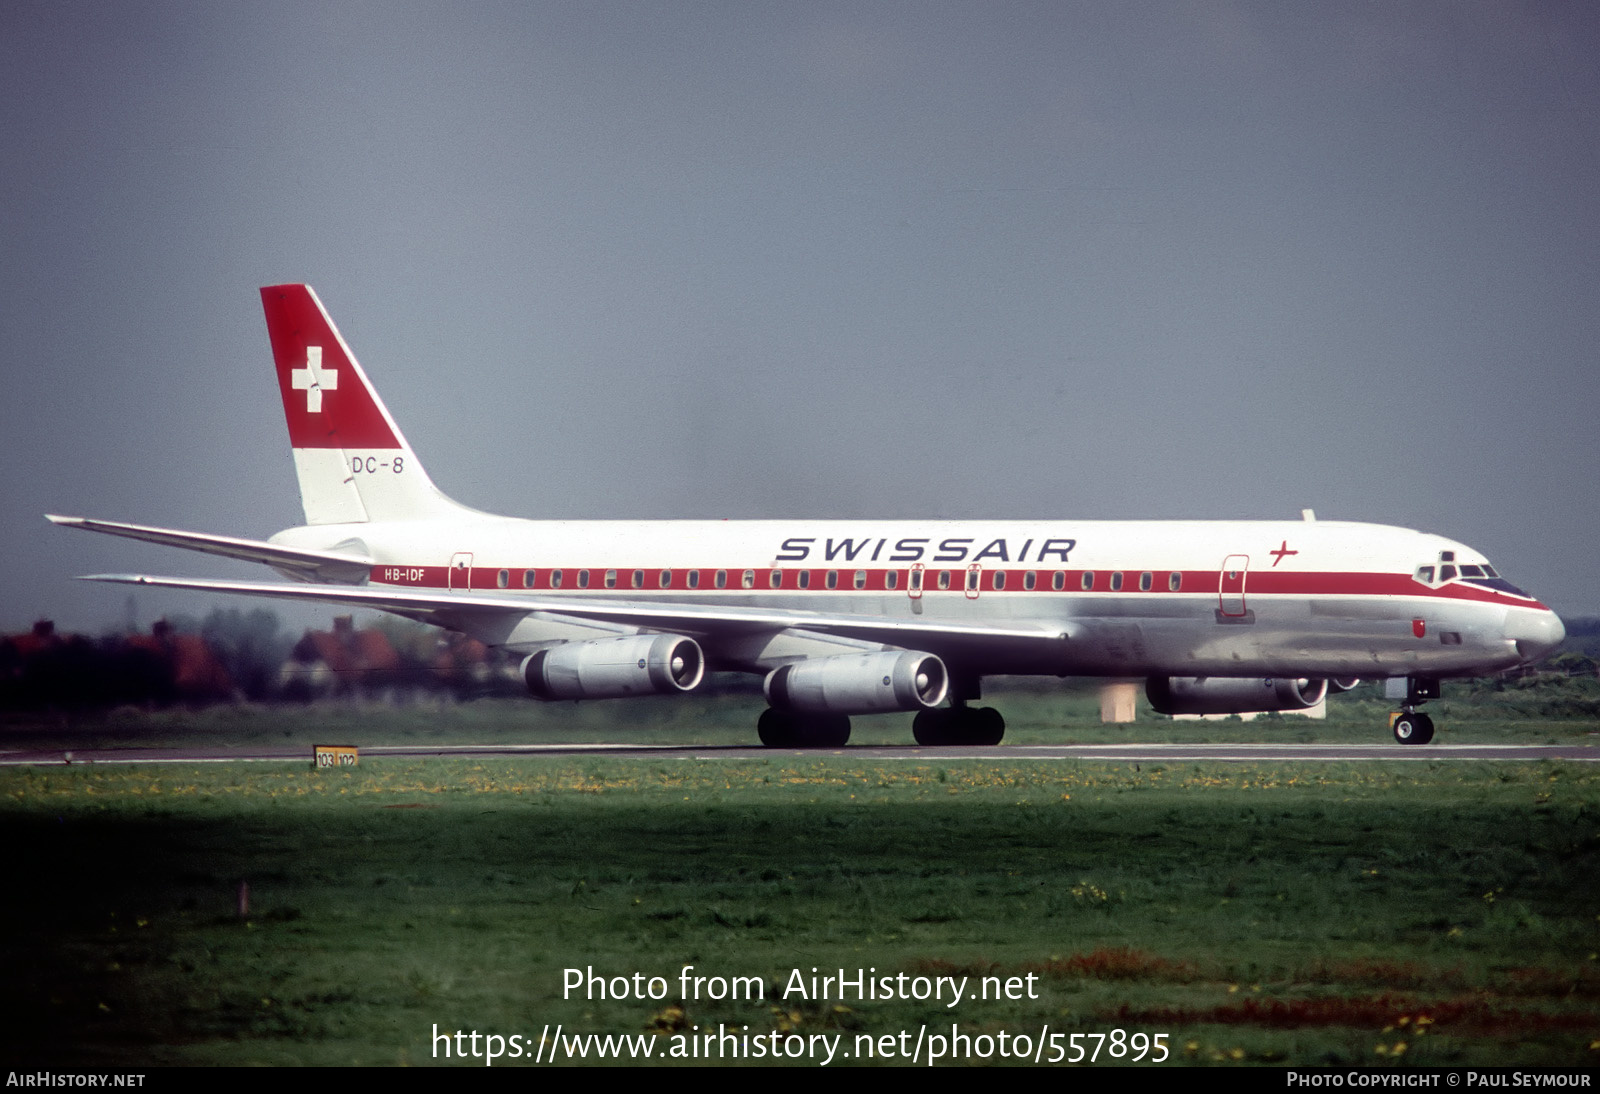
pixel 1115 753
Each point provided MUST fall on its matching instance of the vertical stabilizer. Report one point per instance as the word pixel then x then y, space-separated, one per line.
pixel 353 463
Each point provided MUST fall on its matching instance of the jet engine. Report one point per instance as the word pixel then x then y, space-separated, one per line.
pixel 1342 683
pixel 859 683
pixel 1231 695
pixel 614 668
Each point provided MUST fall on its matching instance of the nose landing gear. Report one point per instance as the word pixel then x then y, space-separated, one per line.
pixel 1410 726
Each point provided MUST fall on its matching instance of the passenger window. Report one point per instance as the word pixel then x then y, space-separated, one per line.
pixel 638 579
pixel 805 579
pixel 1088 580
pixel 694 579
pixel 666 579
pixel 1145 581
pixel 891 579
pixel 1116 581
pixel 503 579
pixel 944 579
pixel 775 579
pixel 722 579
pixel 1174 581
pixel 1058 580
pixel 611 579
pixel 972 581
pixel 1029 580
pixel 529 579
pixel 583 579
pixel 832 580
pixel 748 579
pixel 861 579
pixel 555 579
pixel 999 579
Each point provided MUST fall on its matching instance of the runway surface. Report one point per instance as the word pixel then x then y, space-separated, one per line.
pixel 1115 753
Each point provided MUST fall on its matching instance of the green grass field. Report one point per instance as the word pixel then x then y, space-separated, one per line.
pixel 1405 913
pixel 1549 711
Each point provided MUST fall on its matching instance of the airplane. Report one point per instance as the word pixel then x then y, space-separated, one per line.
pixel 858 617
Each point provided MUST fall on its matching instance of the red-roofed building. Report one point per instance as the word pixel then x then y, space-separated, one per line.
pixel 197 673
pixel 343 661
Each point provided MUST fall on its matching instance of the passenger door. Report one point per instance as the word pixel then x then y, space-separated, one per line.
pixel 1230 586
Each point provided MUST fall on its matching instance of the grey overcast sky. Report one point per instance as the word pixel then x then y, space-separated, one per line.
pixel 1064 260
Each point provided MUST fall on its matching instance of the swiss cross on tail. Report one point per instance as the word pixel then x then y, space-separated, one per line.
pixel 313 380
pixel 327 399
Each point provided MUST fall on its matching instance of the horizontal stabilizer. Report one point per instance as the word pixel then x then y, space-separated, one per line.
pixel 301 563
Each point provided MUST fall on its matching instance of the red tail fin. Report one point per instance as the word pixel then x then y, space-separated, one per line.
pixel 354 465
pixel 327 399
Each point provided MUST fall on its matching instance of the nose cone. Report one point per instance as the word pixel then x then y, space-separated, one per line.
pixel 1536 633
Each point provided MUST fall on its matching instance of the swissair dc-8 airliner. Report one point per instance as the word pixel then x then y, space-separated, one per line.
pixel 856 617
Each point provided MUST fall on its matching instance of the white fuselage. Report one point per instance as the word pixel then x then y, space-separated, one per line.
pixel 1123 598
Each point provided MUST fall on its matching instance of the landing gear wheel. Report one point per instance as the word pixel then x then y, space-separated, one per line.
pixel 828 730
pixel 931 727
pixel 959 726
pixel 988 727
pixel 775 729
pixel 1413 729
pixel 793 729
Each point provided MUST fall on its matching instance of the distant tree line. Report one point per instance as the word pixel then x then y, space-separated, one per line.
pixel 241 655
pixel 1583 637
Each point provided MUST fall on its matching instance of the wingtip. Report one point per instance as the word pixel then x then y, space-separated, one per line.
pixel 57 518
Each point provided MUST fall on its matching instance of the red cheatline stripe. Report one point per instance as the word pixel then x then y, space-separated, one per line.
pixel 650 579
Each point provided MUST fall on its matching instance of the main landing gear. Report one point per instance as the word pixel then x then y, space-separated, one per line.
pixel 803 729
pixel 959 725
pixel 1411 726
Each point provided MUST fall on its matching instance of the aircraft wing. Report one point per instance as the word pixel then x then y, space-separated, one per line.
pixel 692 619
pixel 308 565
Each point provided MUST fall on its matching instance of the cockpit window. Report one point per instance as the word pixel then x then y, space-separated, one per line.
pixel 1481 574
pixel 1500 584
pixel 1491 579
